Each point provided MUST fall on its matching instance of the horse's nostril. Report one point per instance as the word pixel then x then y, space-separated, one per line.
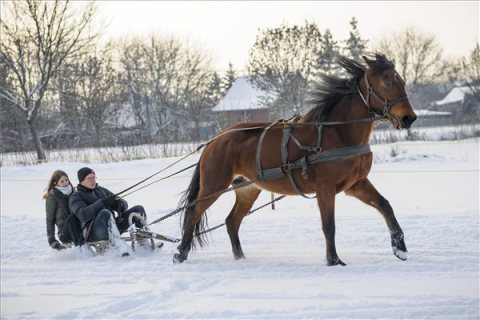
pixel 408 120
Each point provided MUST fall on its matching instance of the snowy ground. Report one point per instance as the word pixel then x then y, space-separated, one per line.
pixel 433 187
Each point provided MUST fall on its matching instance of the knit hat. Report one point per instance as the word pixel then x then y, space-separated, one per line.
pixel 83 173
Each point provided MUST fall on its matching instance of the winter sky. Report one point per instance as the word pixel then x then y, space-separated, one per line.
pixel 226 30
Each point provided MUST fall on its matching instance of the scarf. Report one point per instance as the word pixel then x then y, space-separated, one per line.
pixel 65 190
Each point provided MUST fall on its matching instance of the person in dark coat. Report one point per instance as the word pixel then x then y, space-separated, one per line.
pixel 94 206
pixel 57 194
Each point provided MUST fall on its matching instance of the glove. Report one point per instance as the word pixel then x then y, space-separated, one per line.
pixel 120 205
pixel 56 245
pixel 108 201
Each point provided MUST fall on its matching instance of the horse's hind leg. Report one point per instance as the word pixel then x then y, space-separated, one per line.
pixel 366 192
pixel 193 218
pixel 245 197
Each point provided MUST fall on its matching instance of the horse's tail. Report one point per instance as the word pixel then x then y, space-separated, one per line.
pixel 187 201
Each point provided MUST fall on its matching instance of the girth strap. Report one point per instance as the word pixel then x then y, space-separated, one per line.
pixel 337 154
pixel 324 156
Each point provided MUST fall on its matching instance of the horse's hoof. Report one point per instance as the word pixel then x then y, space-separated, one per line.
pixel 178 258
pixel 336 262
pixel 398 246
pixel 400 254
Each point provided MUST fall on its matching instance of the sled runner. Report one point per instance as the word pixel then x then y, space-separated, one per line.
pixel 137 236
pixel 143 235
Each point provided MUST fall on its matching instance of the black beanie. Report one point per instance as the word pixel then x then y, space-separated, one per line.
pixel 83 172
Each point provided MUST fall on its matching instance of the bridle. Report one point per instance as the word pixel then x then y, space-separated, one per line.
pixel 387 104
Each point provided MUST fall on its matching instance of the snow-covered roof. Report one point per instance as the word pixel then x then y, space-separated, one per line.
pixel 457 94
pixel 241 96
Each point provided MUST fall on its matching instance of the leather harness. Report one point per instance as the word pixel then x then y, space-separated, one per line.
pixel 316 155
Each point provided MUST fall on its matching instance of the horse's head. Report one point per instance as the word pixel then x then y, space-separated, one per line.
pixel 383 91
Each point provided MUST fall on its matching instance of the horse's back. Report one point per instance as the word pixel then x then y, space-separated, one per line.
pixel 232 152
pixel 239 134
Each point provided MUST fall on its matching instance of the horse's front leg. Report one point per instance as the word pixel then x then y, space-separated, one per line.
pixel 326 203
pixel 366 192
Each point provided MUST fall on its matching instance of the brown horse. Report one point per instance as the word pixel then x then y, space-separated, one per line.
pixel 343 109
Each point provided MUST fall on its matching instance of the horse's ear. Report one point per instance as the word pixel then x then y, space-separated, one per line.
pixel 368 61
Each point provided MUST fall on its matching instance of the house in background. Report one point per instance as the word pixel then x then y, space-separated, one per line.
pixel 460 102
pixel 454 99
pixel 242 103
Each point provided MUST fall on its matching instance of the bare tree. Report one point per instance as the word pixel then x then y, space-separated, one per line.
pixel 197 84
pixel 37 37
pixel 167 85
pixel 470 72
pixel 68 114
pixel 467 71
pixel 134 68
pixel 417 55
pixel 149 73
pixel 13 128
pixel 163 80
pixel 96 92
pixel 282 62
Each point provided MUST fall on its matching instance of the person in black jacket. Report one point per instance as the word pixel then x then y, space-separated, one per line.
pixel 93 205
pixel 57 194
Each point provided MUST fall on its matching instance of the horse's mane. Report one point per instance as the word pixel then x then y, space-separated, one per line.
pixel 328 90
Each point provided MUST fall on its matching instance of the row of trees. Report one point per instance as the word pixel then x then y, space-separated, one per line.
pixel 57 84
pixel 60 88
pixel 37 38
pixel 285 60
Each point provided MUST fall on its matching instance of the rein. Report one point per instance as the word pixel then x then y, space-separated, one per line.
pixel 160 171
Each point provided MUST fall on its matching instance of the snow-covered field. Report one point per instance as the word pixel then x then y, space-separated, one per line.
pixel 432 186
pixel 152 151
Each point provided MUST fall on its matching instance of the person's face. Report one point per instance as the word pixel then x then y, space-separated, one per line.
pixel 90 181
pixel 63 182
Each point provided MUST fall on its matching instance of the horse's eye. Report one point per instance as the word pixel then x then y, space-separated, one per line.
pixel 387 84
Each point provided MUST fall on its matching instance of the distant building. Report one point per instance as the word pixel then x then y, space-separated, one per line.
pixel 461 103
pixel 242 103
pixel 454 99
